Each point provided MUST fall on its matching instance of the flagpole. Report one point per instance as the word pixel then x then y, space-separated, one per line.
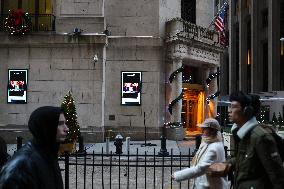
pixel 224 4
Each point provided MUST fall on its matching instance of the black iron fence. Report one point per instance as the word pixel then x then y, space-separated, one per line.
pixel 40 22
pixel 146 170
pixel 85 170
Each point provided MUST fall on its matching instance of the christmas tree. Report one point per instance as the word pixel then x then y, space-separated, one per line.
pixel 274 119
pixel 280 120
pixel 69 108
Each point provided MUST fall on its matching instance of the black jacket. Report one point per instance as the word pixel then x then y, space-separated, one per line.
pixel 35 165
pixel 4 156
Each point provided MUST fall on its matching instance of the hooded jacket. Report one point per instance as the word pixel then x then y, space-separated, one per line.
pixel 257 164
pixel 4 156
pixel 35 165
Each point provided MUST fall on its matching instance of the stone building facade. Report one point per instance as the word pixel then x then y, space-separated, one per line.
pixel 128 35
pixel 255 58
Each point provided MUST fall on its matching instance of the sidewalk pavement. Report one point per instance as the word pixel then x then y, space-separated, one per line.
pixel 177 147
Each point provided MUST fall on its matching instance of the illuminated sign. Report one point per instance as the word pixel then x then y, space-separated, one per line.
pixel 131 88
pixel 17 86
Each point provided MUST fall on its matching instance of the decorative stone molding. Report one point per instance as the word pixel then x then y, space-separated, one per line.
pixel 178 51
pixel 203 55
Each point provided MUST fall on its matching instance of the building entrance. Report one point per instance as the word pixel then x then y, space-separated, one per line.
pixel 192 108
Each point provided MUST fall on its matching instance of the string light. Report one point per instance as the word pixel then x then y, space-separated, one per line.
pixel 212 96
pixel 174 124
pixel 69 108
pixel 18 22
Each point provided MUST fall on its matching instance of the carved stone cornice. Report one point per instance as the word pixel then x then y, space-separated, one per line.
pixel 178 29
pixel 178 51
pixel 203 55
pixel 183 51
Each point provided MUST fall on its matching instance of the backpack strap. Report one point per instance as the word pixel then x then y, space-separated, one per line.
pixel 262 129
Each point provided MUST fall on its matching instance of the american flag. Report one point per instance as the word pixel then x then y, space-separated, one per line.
pixel 220 24
pixel 219 21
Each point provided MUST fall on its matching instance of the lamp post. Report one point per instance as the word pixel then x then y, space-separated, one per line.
pixel 282 46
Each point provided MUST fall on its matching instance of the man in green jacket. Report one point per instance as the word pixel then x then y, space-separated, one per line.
pixel 257 163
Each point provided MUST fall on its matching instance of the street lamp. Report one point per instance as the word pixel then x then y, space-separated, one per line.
pixel 282 46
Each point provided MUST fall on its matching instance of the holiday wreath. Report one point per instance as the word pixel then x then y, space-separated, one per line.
pixel 18 22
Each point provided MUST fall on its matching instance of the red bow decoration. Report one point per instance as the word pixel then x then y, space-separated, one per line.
pixel 18 14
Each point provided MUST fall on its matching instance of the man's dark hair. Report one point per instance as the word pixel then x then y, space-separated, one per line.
pixel 246 100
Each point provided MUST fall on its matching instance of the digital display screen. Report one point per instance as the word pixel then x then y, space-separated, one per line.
pixel 131 88
pixel 17 86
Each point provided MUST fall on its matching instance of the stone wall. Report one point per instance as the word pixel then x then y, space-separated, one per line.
pixel 204 13
pixel 88 15
pixel 168 9
pixel 134 54
pixel 132 17
pixel 56 64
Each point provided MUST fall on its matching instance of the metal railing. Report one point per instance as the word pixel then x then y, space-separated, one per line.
pixel 101 170
pixel 40 22
pixel 83 170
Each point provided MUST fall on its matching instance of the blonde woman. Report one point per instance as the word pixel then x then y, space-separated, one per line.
pixel 210 151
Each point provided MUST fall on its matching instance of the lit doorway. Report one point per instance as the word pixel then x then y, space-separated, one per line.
pixel 192 108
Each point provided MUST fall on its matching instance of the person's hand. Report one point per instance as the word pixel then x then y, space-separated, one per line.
pixel 218 169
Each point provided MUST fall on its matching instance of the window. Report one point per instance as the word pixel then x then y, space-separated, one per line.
pixel 264 18
pixel 188 10
pixel 30 6
pixel 40 11
pixel 265 65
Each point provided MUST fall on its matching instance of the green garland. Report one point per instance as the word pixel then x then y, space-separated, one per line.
pixel 174 74
pixel 212 96
pixel 172 103
pixel 212 76
pixel 174 124
pixel 208 80
pixel 170 108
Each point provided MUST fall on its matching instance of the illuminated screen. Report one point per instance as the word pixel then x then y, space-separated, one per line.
pixel 131 88
pixel 17 86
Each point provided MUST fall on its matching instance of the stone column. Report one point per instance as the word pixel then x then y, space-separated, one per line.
pixel 224 77
pixel 212 89
pixel 273 45
pixel 207 92
pixel 242 47
pixel 176 90
pixel 232 47
pixel 179 51
pixel 256 67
